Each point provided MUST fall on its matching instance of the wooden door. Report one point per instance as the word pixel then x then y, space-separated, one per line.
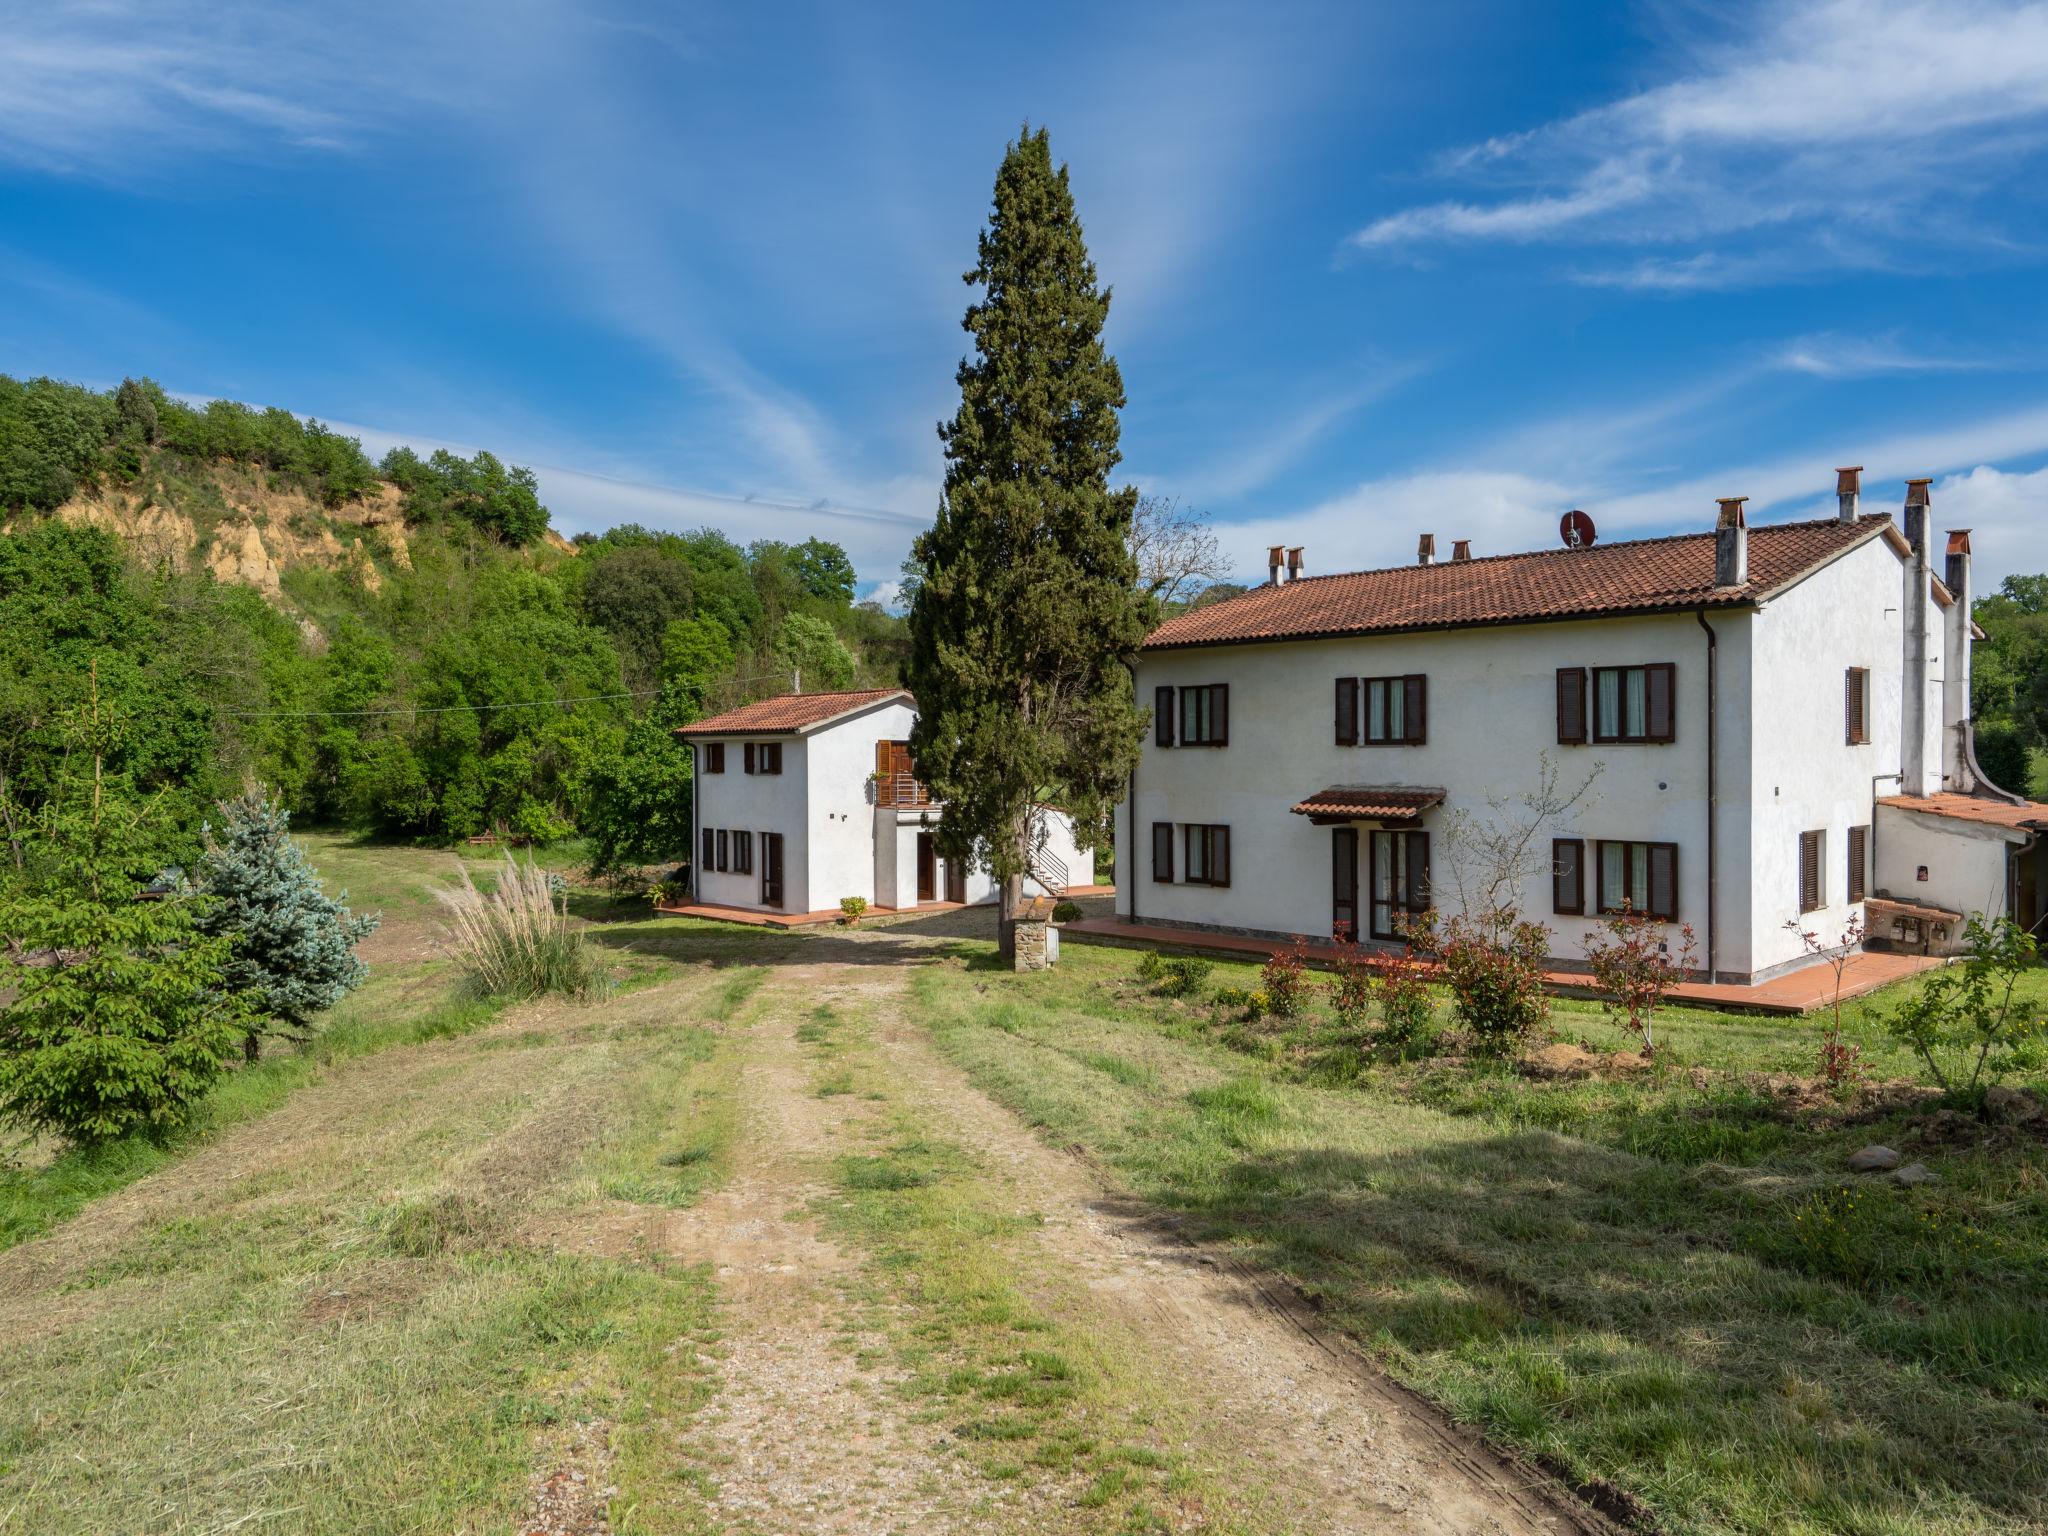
pixel 1344 882
pixel 771 869
pixel 927 869
pixel 956 881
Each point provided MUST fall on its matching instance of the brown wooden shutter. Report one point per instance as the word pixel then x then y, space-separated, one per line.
pixel 1568 875
pixel 1162 716
pixel 1219 856
pixel 747 757
pixel 1859 857
pixel 1162 852
pixel 1663 892
pixel 1414 704
pixel 1571 706
pixel 1219 714
pixel 723 846
pixel 1347 711
pixel 1417 893
pixel 710 848
pixel 714 757
pixel 1809 871
pixel 1660 686
pixel 1855 706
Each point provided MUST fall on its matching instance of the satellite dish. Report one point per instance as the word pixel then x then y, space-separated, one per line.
pixel 1577 530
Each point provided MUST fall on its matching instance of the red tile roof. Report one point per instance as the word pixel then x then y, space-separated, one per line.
pixel 1634 576
pixel 1386 802
pixel 792 713
pixel 1991 813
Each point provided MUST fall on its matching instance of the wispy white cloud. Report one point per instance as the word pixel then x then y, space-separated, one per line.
pixel 1273 446
pixel 1837 125
pixel 1828 355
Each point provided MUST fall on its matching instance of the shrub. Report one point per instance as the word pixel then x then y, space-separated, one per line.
pixel 2002 754
pixel 517 942
pixel 1246 1004
pixel 1151 965
pixel 1841 1063
pixel 1493 966
pixel 1407 1012
pixel 1285 979
pixel 1633 966
pixel 669 891
pixel 1183 976
pixel 1351 977
pixel 1065 911
pixel 851 909
pixel 1965 1024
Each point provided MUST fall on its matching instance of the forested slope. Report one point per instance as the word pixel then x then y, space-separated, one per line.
pixel 403 646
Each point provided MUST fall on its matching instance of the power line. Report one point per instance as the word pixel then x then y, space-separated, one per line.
pixel 455 709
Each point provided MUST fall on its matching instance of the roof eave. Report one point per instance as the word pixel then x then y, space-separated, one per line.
pixel 1691 605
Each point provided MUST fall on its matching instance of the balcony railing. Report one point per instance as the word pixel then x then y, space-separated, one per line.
pixel 902 791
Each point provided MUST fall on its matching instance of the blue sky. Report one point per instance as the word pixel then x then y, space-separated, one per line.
pixel 1378 269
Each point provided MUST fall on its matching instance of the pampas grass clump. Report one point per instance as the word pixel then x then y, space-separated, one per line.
pixel 517 942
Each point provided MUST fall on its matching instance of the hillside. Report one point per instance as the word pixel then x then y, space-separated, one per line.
pixel 403 647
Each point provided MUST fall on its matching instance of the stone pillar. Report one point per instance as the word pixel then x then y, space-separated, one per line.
pixel 1029 948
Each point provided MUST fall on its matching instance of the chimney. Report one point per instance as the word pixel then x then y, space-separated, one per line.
pixel 1958 745
pixel 1731 544
pixel 1917 501
pixel 1295 570
pixel 1425 550
pixel 1461 549
pixel 1273 556
pixel 1955 572
pixel 1849 491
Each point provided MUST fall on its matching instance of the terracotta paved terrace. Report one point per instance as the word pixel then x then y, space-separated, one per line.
pixel 754 918
pixel 1796 992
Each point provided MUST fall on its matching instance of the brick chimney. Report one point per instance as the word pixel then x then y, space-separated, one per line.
pixel 1461 549
pixel 1274 555
pixel 1295 567
pixel 1731 544
pixel 1917 499
pixel 1425 550
pixel 1849 491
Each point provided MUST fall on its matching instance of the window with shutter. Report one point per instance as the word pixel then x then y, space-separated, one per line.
pixel 1571 706
pixel 1208 856
pixel 1859 863
pixel 771 757
pixel 714 757
pixel 1347 711
pixel 1162 716
pixel 1812 856
pixel 747 757
pixel 1393 710
pixel 1856 706
pixel 1205 715
pixel 743 853
pixel 1162 852
pixel 1568 876
pixel 1634 704
pixel 1637 877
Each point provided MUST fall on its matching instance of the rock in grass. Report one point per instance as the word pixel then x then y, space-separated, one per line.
pixel 1873 1159
pixel 1914 1173
pixel 2011 1106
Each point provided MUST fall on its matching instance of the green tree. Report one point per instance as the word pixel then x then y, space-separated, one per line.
pixel 1027 614
pixel 294 945
pixel 119 1017
pixel 812 648
pixel 824 571
pixel 634 593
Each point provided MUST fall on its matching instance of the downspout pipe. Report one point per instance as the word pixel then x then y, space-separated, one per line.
pixel 1129 874
pixel 1713 783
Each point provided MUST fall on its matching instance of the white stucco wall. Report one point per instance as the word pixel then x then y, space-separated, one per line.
pixel 1491 712
pixel 1805 775
pixel 841 812
pixel 755 802
pixel 1965 862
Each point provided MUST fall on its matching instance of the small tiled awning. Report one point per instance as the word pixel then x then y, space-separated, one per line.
pixel 1385 802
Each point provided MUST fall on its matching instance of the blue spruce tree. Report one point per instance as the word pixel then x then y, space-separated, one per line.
pixel 294 945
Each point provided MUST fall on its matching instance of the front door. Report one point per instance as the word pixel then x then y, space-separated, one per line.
pixel 927 869
pixel 771 869
pixel 1400 881
pixel 1344 882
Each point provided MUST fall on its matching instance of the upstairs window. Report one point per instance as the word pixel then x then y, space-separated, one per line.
pixel 763 757
pixel 1641 877
pixel 1381 711
pixel 1162 716
pixel 1205 715
pixel 1856 706
pixel 1208 856
pixel 1571 706
pixel 1634 703
pixel 714 757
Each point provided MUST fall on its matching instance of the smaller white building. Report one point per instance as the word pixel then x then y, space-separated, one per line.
pixel 804 800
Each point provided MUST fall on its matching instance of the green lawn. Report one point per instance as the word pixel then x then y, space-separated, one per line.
pixel 1654 1282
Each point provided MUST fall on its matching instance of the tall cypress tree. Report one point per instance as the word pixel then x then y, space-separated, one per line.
pixel 1025 615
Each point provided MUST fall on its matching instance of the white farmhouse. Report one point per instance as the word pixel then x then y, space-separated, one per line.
pixel 1779 715
pixel 809 798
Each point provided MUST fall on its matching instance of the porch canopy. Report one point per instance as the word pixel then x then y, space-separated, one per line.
pixel 1396 804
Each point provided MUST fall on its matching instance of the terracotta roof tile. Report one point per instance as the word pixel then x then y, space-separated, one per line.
pixel 1384 802
pixel 790 714
pixel 1634 576
pixel 1992 813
